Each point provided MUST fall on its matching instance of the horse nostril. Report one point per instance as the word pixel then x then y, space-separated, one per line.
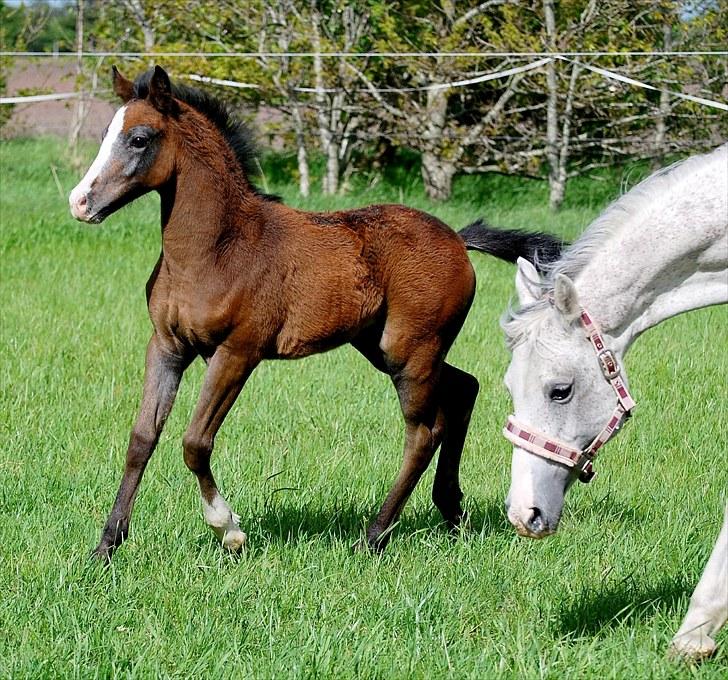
pixel 79 203
pixel 535 522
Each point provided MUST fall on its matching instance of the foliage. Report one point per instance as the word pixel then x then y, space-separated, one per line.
pixel 5 110
pixel 354 112
pixel 40 26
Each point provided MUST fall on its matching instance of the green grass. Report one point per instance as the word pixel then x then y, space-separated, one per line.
pixel 306 458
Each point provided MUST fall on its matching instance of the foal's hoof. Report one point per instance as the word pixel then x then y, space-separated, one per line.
pixel 368 546
pixel 234 540
pixel 457 523
pixel 102 554
pixel 691 647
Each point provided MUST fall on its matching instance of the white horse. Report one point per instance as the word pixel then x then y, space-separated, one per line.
pixel 658 251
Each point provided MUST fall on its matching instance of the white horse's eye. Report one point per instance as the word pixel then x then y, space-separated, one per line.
pixel 561 393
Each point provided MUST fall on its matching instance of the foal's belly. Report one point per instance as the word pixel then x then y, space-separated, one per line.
pixel 325 319
pixel 303 335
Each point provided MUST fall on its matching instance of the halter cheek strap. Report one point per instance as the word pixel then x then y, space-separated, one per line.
pixel 542 445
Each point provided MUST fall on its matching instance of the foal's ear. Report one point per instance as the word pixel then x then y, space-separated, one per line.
pixel 123 88
pixel 566 299
pixel 160 92
pixel 528 282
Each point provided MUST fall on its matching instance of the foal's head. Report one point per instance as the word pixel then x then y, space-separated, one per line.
pixel 137 153
pixel 160 124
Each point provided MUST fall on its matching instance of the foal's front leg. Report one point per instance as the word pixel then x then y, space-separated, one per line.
pixel 162 376
pixel 708 605
pixel 226 375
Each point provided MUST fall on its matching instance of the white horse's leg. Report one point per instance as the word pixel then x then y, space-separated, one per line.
pixel 708 605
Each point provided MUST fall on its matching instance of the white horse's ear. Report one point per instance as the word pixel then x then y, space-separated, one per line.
pixel 528 282
pixel 566 299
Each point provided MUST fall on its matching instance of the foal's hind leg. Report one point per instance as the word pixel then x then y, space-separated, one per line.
pixel 161 379
pixel 456 397
pixel 226 375
pixel 416 385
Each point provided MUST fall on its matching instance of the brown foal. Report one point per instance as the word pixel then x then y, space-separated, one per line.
pixel 242 278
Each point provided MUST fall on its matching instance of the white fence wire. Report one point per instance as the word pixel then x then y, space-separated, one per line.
pixel 540 63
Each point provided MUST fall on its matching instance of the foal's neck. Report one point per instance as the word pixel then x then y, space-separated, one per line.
pixel 667 255
pixel 207 205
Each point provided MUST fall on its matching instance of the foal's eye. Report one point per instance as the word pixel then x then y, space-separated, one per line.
pixel 138 142
pixel 561 393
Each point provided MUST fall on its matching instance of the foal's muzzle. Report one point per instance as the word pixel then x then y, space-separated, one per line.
pixel 79 205
pixel 94 206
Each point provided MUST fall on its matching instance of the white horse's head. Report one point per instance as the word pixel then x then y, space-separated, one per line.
pixel 558 389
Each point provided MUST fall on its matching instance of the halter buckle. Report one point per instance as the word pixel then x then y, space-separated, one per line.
pixel 587 473
pixel 609 364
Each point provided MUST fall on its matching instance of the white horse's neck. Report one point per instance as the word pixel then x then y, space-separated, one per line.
pixel 664 250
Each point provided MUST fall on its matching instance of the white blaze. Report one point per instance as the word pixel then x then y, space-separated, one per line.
pixel 84 186
pixel 521 496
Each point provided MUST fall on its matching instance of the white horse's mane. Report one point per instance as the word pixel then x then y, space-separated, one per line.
pixel 519 323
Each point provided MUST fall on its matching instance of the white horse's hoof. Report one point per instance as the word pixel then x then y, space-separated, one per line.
pixel 234 540
pixel 692 647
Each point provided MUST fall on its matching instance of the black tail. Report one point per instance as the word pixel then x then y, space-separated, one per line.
pixel 510 244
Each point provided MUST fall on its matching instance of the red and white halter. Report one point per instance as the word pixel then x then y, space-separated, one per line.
pixel 540 444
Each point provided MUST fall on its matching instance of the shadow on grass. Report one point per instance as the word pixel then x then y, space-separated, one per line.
pixel 598 608
pixel 287 521
pixel 607 509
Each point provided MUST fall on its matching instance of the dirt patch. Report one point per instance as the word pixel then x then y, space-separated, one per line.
pixel 54 117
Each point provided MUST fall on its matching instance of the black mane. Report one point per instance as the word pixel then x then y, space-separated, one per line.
pixel 237 134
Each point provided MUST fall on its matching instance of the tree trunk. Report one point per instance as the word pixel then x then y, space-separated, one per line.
pixel 143 21
pixel 79 109
pixel 664 109
pixel 437 172
pixel 556 187
pixel 437 175
pixel 331 181
pixel 304 181
pixel 329 147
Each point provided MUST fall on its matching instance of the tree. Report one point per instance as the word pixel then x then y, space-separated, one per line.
pixel 592 121
pixel 439 121
pixel 38 28
pixel 553 123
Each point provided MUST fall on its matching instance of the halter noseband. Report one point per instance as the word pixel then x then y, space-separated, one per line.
pixel 540 444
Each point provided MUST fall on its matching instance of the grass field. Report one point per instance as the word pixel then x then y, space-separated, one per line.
pixel 306 458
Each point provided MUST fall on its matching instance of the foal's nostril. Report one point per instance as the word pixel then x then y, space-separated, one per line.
pixel 535 522
pixel 79 204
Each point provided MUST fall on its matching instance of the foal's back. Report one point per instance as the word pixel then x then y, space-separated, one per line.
pixel 336 274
